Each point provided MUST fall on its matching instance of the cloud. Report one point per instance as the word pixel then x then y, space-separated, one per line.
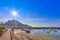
pixel 6 8
pixel 43 22
pixel 5 20
pixel 36 19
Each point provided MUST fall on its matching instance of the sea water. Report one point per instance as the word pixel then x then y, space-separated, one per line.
pixel 45 34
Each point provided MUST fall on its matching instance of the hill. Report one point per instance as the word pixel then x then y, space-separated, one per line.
pixel 16 24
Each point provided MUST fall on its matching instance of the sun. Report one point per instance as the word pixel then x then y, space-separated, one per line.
pixel 14 13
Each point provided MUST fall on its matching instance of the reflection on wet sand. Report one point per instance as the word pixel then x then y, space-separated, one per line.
pixel 45 34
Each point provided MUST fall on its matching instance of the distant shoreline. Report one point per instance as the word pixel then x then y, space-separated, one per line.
pixel 45 27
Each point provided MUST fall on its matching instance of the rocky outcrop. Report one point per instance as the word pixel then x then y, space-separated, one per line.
pixel 17 24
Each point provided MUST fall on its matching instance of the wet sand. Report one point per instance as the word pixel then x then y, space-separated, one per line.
pixel 18 34
pixel 25 36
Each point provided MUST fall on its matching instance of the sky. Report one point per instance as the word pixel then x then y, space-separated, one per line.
pixel 37 13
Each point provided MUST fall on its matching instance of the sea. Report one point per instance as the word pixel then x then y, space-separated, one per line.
pixel 45 34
